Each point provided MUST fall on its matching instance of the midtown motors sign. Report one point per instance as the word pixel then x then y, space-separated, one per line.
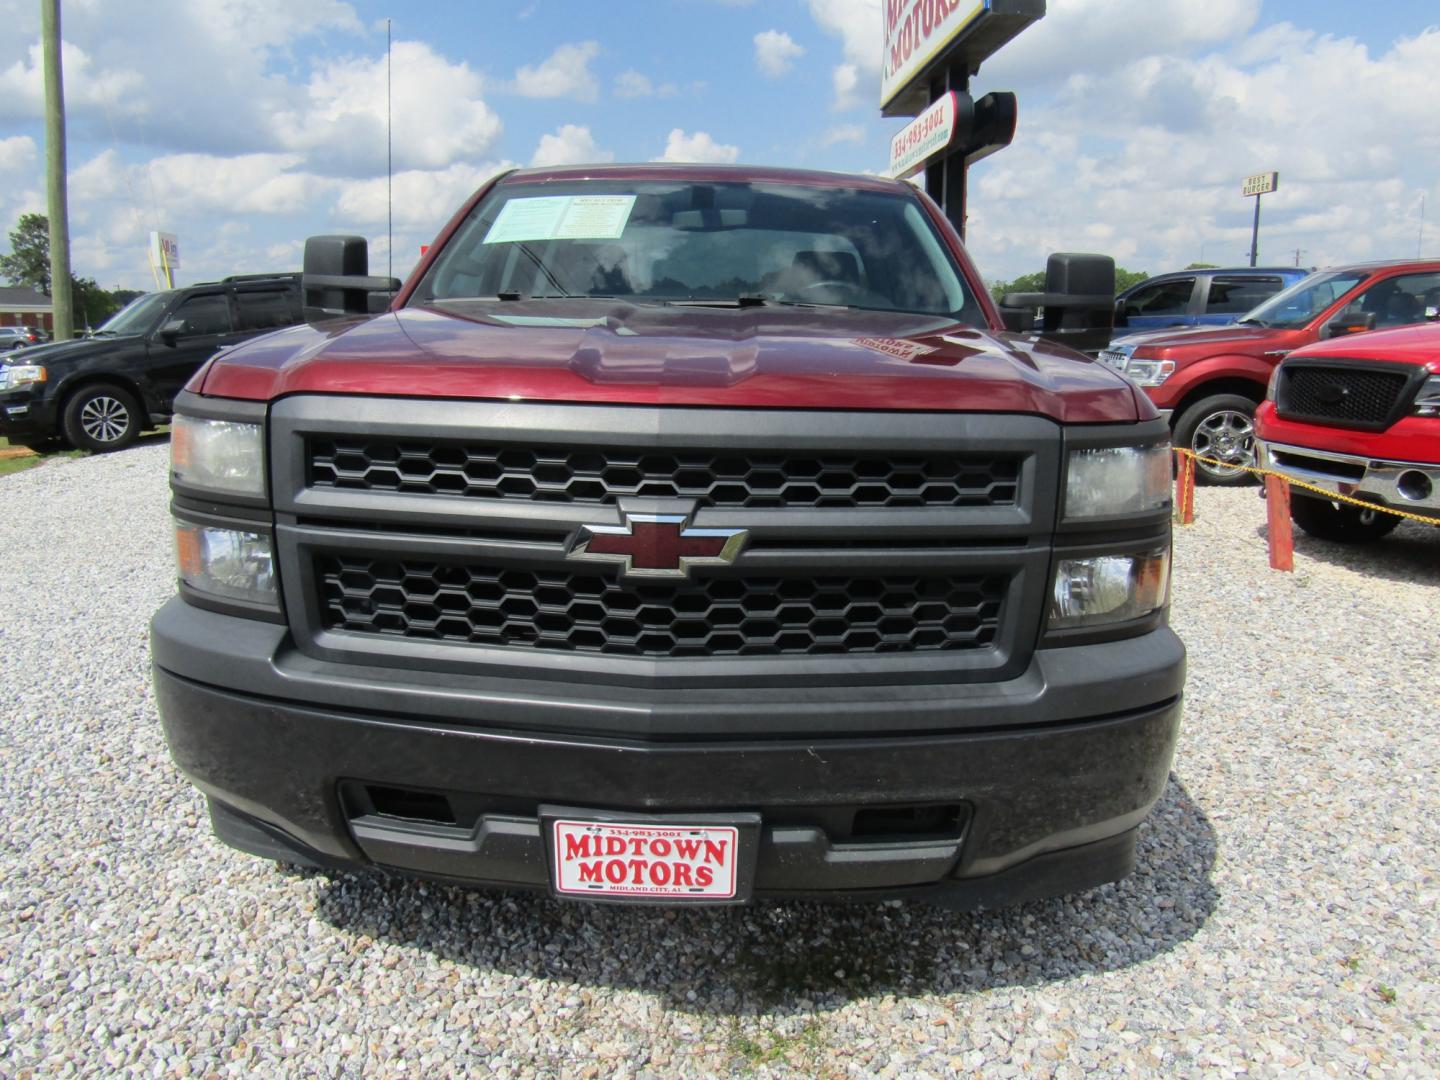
pixel 916 32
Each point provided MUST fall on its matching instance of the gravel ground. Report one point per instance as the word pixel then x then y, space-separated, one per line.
pixel 1284 920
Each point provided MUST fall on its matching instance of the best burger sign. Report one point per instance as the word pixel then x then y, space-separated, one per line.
pixel 917 32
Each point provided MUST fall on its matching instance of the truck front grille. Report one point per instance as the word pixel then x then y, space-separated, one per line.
pixel 601 476
pixel 753 615
pixel 1346 395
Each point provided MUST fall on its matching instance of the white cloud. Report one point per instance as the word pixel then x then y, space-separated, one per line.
pixel 776 52
pixel 16 153
pixel 844 133
pixel 846 80
pixel 632 84
pixel 699 147
pixel 423 199
pixel 1161 189
pixel 439 116
pixel 857 24
pixel 22 90
pixel 569 145
pixel 564 73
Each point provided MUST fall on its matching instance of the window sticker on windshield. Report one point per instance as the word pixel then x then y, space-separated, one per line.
pixel 562 217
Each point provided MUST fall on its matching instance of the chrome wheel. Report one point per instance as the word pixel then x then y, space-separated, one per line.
pixel 1226 436
pixel 105 419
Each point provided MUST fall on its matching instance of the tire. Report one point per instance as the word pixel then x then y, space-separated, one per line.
pixel 1221 427
pixel 1340 522
pixel 101 417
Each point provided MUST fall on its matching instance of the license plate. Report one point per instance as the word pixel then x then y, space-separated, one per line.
pixel 661 862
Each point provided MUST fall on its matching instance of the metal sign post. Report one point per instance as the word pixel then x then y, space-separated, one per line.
pixel 1256 186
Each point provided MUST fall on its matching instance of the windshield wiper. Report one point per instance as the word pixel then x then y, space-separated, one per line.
pixel 745 300
pixel 1251 322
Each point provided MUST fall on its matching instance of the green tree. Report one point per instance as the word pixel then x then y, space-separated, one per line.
pixel 29 260
pixel 29 264
pixel 1202 266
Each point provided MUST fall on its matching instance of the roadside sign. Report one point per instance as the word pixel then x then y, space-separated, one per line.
pixel 1260 184
pixel 920 36
pixel 924 137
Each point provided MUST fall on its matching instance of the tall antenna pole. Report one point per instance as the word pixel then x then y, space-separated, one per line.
pixel 389 166
pixel 1420 240
pixel 61 301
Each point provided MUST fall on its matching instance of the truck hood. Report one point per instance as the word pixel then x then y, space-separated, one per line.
pixel 615 352
pixel 54 351
pixel 1207 338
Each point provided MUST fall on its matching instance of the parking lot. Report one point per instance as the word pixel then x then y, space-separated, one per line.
pixel 1284 917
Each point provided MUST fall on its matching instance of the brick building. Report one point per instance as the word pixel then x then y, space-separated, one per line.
pixel 22 305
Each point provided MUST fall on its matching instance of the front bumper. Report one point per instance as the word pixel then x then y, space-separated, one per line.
pixel 26 415
pixel 1401 485
pixel 1028 792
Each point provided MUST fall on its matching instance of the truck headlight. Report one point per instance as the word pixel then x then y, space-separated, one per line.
pixel 1109 588
pixel 1117 480
pixel 226 563
pixel 1427 401
pixel 13 375
pixel 1147 372
pixel 218 455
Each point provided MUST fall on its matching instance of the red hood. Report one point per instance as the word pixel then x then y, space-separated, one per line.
pixel 611 351
pixel 1239 338
pixel 1418 344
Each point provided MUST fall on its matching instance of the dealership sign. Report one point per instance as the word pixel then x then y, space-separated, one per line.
pixel 922 38
pixel 164 250
pixel 1260 184
pixel 924 137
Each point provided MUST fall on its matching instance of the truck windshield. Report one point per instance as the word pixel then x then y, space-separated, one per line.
pixel 1297 305
pixel 717 244
pixel 137 316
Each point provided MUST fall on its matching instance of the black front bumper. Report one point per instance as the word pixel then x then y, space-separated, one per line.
pixel 25 415
pixel 1031 787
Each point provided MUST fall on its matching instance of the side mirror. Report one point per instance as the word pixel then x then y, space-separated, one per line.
pixel 1020 320
pixel 1079 301
pixel 170 330
pixel 336 280
pixel 1344 325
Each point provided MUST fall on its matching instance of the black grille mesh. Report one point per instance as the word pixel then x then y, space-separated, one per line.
pixel 717 616
pixel 602 476
pixel 1340 394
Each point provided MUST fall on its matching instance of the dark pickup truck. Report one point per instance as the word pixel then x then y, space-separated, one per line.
pixel 679 534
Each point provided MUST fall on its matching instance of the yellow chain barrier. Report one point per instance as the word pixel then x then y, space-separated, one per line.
pixel 1332 496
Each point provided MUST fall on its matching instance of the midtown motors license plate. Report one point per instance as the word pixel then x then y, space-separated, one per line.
pixel 610 859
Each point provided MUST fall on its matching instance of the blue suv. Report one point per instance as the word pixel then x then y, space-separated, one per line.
pixel 1199 297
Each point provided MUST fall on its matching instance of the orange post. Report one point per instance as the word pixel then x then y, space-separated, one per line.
pixel 1279 534
pixel 1185 489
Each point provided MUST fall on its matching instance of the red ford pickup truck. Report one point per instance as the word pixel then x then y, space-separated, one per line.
pixel 1360 418
pixel 676 534
pixel 1209 382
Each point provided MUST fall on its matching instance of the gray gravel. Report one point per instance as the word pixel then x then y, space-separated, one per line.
pixel 1285 918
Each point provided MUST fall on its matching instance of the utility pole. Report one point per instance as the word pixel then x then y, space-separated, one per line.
pixel 55 180
pixel 1298 253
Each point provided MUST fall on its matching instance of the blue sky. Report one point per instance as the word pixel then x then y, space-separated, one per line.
pixel 245 125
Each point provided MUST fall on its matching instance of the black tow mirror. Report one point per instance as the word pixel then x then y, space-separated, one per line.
pixel 1078 302
pixel 337 280
pixel 170 330
pixel 1345 325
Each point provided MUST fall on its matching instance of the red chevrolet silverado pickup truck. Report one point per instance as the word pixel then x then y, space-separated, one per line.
pixel 677 534
pixel 1359 418
pixel 1209 382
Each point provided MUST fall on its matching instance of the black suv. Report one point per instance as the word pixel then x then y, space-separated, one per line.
pixel 100 392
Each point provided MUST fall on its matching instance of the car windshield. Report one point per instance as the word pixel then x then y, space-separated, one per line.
pixel 716 244
pixel 137 316
pixel 1297 305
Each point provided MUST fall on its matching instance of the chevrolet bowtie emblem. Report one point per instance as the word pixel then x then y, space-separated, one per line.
pixel 657 545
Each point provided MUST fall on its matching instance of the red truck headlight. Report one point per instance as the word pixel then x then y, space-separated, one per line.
pixel 222 456
pixel 226 563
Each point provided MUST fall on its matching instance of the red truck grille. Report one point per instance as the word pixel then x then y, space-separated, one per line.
pixel 1349 394
pixel 601 476
pixel 753 615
